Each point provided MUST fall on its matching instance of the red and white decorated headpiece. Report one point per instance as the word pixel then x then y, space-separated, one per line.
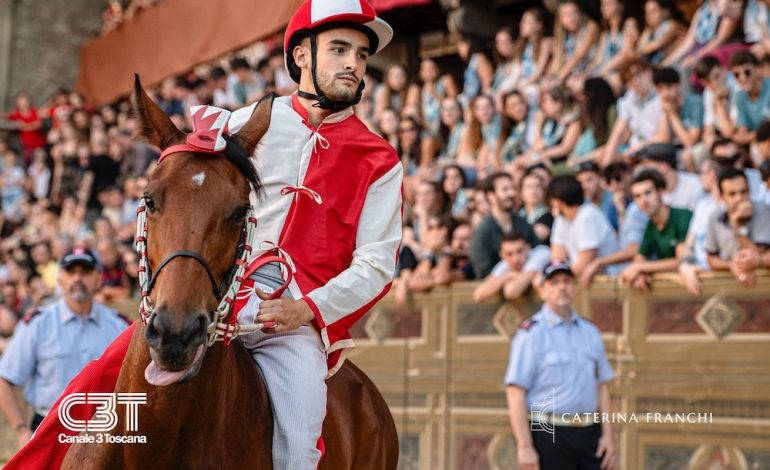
pixel 209 124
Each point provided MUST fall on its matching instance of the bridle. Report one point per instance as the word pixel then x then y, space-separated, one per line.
pixel 231 288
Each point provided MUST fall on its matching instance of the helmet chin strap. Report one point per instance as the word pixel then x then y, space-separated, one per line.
pixel 323 101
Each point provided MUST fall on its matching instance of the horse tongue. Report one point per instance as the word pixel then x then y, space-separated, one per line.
pixel 157 376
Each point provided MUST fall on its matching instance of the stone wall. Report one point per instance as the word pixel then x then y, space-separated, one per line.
pixel 45 40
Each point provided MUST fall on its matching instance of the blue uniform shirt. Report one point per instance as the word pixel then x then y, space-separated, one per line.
pixel 54 346
pixel 565 360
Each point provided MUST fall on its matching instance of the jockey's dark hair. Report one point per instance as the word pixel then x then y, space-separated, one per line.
pixel 237 155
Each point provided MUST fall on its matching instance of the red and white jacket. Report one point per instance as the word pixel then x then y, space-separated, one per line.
pixel 333 205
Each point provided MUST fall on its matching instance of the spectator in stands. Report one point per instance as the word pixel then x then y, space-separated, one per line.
pixel 683 189
pixel 437 268
pixel 517 269
pixel 632 223
pixel 409 146
pixel 507 66
pixel 244 86
pixel 756 18
pixel 718 97
pixel 753 100
pixel 514 129
pixel 387 126
pixel 728 153
pixel 589 176
pixel 479 70
pixel 395 92
pixel 580 232
pixel 597 116
pixel 451 129
pixel 695 259
pixel 39 175
pixel 617 41
pixel 101 172
pixel 738 234
pixel 45 265
pixel 30 123
pixel 532 50
pixel 533 207
pixel 709 30
pixel 475 151
pixel 485 245
pixel 575 36
pixel 453 183
pixel 663 26
pixel 665 233
pixel 639 112
pixel 681 122
pixel 429 201
pixel 434 87
pixel 557 126
pixel 282 83
pixel 12 181
pixel 114 284
pixel 217 81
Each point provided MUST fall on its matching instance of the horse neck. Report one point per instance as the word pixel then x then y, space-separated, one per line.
pixel 218 387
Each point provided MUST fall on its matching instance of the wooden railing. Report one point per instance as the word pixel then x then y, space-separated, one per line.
pixel 440 361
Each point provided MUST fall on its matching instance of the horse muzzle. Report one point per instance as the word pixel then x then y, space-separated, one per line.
pixel 176 352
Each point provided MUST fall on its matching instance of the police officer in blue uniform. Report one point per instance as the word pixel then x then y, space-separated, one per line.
pixel 558 373
pixel 50 348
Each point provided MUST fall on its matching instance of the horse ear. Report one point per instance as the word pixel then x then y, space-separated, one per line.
pixel 153 122
pixel 251 132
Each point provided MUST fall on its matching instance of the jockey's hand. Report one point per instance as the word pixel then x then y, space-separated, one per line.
pixel 288 314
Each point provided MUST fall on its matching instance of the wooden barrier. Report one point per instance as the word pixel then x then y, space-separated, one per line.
pixel 440 361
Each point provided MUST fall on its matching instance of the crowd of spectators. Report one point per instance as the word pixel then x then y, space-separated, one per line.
pixel 620 145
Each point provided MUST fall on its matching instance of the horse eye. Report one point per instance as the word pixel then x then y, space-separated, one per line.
pixel 239 214
pixel 149 204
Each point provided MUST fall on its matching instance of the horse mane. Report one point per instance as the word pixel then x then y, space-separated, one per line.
pixel 237 155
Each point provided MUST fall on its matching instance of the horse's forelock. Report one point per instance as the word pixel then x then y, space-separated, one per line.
pixel 237 155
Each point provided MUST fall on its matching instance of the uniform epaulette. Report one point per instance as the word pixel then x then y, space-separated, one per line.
pixel 30 315
pixel 124 318
pixel 527 324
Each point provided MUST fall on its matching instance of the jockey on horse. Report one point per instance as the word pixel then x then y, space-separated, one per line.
pixel 331 209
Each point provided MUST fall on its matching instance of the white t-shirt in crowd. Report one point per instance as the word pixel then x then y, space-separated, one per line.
pixel 642 115
pixel 589 230
pixel 538 258
pixel 699 228
pixel 757 188
pixel 687 193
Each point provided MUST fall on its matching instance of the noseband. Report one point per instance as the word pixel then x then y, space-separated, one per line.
pixel 193 255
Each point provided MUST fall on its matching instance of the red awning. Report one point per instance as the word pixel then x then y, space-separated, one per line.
pixel 384 5
pixel 172 37
pixel 175 35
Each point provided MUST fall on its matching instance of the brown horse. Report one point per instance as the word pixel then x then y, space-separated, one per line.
pixel 219 417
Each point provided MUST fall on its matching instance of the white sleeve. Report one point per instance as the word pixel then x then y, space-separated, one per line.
pixel 539 257
pixel 500 269
pixel 349 295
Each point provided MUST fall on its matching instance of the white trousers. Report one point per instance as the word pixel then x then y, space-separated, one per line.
pixel 294 368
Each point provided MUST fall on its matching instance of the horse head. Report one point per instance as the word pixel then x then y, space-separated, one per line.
pixel 195 205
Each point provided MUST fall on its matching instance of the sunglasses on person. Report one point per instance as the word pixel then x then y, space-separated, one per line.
pixel 407 130
pixel 742 73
